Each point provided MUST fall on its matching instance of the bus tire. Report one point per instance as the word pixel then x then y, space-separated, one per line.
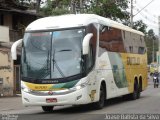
pixel 100 104
pixel 139 89
pixel 134 95
pixel 138 93
pixel 47 108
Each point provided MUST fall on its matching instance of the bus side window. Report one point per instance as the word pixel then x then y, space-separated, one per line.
pixel 141 50
pixel 111 39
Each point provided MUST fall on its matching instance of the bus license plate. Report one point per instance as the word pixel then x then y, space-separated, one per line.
pixel 50 100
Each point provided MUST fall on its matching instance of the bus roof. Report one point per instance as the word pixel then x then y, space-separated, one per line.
pixel 75 20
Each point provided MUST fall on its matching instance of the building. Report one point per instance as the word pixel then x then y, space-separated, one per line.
pixel 16 17
pixel 13 20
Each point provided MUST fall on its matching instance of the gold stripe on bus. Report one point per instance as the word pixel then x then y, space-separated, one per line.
pixel 41 87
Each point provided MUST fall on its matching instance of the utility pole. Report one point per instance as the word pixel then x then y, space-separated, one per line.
pixel 131 14
pixel 158 52
pixel 38 6
pixel 73 7
pixel 153 52
pixel 81 6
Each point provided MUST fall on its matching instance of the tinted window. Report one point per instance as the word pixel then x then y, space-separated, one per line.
pixel 111 39
pixel 134 43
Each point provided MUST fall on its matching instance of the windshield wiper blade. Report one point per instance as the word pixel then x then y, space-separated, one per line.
pixel 58 68
pixel 65 50
pixel 56 65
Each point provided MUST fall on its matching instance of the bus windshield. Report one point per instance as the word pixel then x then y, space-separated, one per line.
pixel 53 54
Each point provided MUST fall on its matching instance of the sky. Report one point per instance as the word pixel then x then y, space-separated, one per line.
pixel 149 15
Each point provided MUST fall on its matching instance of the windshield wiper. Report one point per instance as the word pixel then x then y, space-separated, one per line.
pixel 58 68
pixel 65 50
pixel 56 65
pixel 48 66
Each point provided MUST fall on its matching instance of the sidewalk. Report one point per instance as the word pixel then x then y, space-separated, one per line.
pixel 10 103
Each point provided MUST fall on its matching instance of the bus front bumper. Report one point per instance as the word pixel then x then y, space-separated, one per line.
pixel 75 98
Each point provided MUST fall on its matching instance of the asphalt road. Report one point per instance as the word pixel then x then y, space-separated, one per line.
pixel 148 104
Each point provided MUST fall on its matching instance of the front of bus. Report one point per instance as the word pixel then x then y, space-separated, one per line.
pixel 54 68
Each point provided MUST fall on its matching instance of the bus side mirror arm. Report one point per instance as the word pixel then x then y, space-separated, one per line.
pixel 14 49
pixel 86 41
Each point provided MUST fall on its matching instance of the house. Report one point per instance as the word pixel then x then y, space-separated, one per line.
pixel 13 20
pixel 16 17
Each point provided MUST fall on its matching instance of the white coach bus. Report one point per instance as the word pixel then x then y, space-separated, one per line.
pixel 80 59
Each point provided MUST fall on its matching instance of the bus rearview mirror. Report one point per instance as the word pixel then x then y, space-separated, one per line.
pixel 14 49
pixel 85 44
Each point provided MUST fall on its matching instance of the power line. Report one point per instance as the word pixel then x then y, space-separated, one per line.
pixel 149 19
pixel 131 20
pixel 143 8
pixel 146 11
pixel 151 22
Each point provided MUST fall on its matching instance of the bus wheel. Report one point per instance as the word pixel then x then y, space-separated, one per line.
pixel 139 90
pixel 138 93
pixel 135 93
pixel 47 108
pixel 100 103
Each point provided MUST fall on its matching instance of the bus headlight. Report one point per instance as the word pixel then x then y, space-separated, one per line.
pixel 25 88
pixel 78 87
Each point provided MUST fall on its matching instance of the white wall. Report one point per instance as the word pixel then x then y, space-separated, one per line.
pixel 4 34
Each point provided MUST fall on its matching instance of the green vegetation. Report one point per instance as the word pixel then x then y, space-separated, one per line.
pixel 107 8
pixel 151 40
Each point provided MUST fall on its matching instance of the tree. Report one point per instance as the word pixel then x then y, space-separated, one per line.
pixel 152 45
pixel 56 7
pixel 47 9
pixel 140 26
pixel 114 9
pixel 31 4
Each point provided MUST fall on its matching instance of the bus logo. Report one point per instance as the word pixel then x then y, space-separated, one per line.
pixel 50 93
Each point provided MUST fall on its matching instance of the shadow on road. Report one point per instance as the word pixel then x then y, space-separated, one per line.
pixel 89 107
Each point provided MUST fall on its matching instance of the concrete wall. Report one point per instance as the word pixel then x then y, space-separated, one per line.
pixel 6 74
pixel 4 34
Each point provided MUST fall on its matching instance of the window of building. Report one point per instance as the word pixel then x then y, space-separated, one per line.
pixel 1 19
